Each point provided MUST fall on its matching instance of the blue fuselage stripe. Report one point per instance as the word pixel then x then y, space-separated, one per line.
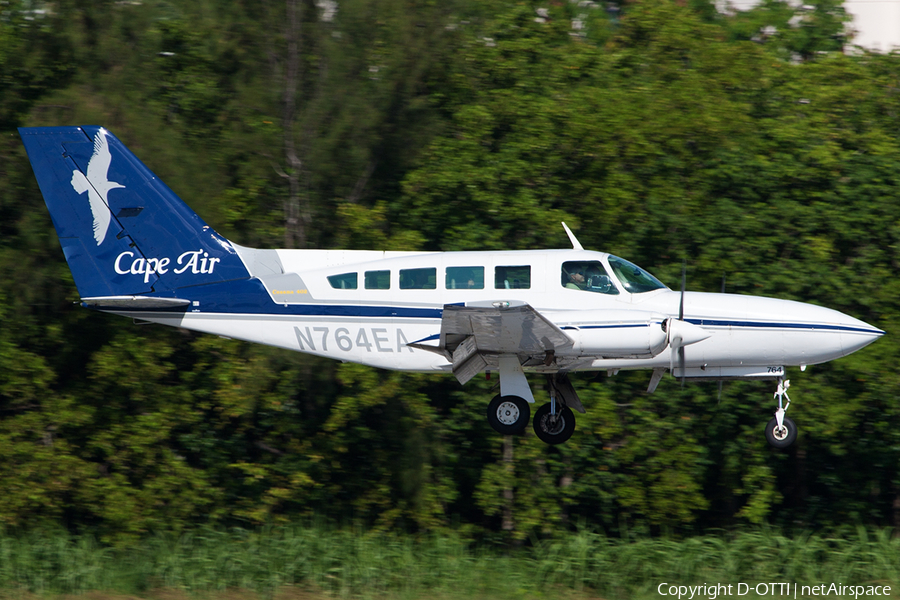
pixel 322 310
pixel 430 338
pixel 777 325
pixel 620 326
pixel 341 310
pixel 249 297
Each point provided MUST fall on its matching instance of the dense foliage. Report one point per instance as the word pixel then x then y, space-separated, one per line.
pixel 749 145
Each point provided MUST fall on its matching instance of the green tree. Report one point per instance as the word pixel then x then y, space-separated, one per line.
pixel 661 133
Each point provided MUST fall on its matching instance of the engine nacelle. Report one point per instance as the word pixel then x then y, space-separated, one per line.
pixel 615 333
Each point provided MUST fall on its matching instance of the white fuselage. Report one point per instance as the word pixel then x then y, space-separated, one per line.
pixel 301 309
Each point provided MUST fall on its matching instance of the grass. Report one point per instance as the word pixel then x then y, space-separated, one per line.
pixel 316 562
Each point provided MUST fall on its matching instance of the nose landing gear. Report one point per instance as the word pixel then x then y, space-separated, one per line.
pixel 781 431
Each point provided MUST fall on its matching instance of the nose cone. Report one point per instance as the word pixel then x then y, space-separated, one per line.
pixel 816 334
pixel 834 327
pixel 772 331
pixel 856 334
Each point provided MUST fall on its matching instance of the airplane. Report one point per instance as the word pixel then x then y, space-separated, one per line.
pixel 135 249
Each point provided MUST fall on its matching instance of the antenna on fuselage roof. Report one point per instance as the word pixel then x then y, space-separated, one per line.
pixel 576 245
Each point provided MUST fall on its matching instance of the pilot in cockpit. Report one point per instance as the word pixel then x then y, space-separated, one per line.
pixel 576 279
pixel 588 276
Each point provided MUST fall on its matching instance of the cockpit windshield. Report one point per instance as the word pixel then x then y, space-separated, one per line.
pixel 634 279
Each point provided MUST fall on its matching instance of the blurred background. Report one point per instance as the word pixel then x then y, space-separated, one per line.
pixel 760 146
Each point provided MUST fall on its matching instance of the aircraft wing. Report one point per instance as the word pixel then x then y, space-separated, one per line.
pixel 473 336
pixel 504 329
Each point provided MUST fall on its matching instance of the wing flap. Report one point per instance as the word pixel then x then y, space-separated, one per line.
pixel 467 361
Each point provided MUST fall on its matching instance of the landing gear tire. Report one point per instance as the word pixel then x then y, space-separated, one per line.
pixel 784 437
pixel 508 415
pixel 552 430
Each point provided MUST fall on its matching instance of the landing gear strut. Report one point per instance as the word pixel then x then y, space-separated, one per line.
pixel 781 431
pixel 554 423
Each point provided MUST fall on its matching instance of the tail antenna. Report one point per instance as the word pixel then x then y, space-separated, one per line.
pixel 576 245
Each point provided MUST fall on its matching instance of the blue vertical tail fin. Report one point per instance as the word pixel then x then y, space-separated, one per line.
pixel 122 230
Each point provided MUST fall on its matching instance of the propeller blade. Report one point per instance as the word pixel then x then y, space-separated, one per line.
pixel 680 329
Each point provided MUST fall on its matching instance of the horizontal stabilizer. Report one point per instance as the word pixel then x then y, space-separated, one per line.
pixel 138 302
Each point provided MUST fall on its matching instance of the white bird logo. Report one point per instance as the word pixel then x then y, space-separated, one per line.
pixel 97 185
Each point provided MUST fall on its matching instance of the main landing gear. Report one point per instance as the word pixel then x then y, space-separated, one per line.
pixel 781 431
pixel 553 423
pixel 508 415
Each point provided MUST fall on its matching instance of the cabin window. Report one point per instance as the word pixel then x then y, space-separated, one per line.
pixel 464 278
pixel 418 279
pixel 634 279
pixel 587 275
pixel 512 278
pixel 378 280
pixel 344 281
